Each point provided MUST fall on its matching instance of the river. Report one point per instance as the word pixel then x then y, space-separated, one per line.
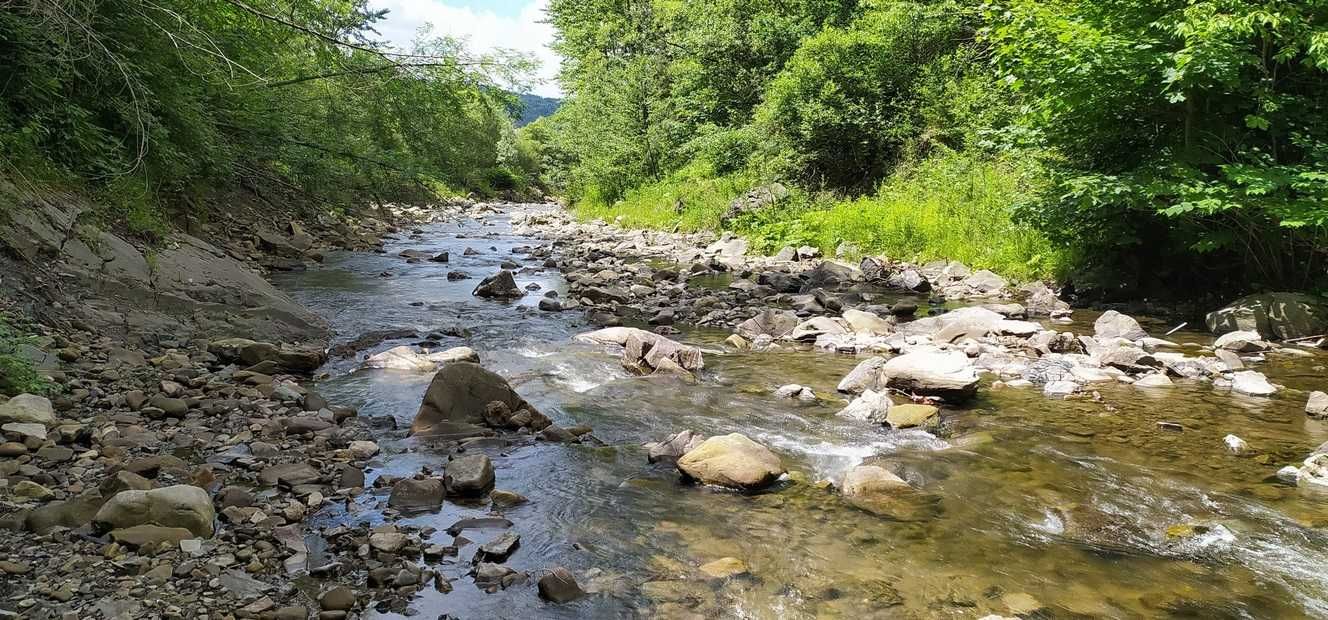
pixel 1076 508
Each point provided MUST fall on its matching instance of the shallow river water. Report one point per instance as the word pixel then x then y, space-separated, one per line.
pixel 1079 508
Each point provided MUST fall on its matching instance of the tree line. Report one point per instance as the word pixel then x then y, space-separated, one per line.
pixel 158 108
pixel 1150 144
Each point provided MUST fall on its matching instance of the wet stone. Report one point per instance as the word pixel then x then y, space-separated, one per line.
pixel 559 586
pixel 498 549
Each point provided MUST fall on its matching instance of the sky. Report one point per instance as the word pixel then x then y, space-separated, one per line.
pixel 486 24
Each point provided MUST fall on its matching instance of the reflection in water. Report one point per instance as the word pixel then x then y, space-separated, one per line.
pixel 1082 508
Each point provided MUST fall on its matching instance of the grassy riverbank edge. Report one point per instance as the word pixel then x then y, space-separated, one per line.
pixel 951 207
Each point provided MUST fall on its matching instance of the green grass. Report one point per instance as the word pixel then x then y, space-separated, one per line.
pixel 952 206
pixel 17 376
pixel 688 201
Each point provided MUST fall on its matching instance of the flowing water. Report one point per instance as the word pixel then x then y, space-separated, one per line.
pixel 1069 502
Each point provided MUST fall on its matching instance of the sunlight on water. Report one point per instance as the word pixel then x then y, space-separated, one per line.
pixel 1088 509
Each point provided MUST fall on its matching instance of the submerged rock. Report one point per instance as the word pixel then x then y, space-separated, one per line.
pixel 911 415
pixel 732 461
pixel 724 568
pixel 877 490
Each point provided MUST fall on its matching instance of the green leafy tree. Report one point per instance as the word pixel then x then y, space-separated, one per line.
pixel 1191 133
pixel 847 105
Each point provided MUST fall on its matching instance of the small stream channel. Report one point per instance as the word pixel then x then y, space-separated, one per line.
pixel 1066 502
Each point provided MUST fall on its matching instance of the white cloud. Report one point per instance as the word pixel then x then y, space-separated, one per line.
pixel 484 30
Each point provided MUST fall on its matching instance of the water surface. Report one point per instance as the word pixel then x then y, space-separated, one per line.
pixel 1069 502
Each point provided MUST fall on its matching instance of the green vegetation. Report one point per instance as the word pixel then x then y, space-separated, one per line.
pixel 160 109
pixel 1160 146
pixel 17 375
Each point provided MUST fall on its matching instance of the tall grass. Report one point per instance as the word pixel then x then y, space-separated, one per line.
pixel 952 206
pixel 689 201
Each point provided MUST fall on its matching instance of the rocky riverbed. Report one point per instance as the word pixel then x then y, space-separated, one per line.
pixel 522 415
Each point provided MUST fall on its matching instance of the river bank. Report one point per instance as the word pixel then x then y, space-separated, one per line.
pixel 1107 500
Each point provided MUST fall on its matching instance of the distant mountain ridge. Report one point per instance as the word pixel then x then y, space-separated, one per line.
pixel 535 106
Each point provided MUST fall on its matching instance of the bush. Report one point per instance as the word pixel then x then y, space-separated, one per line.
pixel 1190 134
pixel 17 376
pixel 846 104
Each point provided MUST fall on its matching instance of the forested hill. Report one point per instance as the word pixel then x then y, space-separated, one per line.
pixel 534 107
pixel 1140 146
pixel 158 110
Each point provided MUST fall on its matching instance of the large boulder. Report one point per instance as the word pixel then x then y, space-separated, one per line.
pixel 1281 316
pixel 732 461
pixel 946 374
pixel 831 274
pixel 455 401
pixel 280 358
pixel 1113 324
pixel 500 285
pixel 909 280
pixel 28 408
pixel 181 505
pixel 773 323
